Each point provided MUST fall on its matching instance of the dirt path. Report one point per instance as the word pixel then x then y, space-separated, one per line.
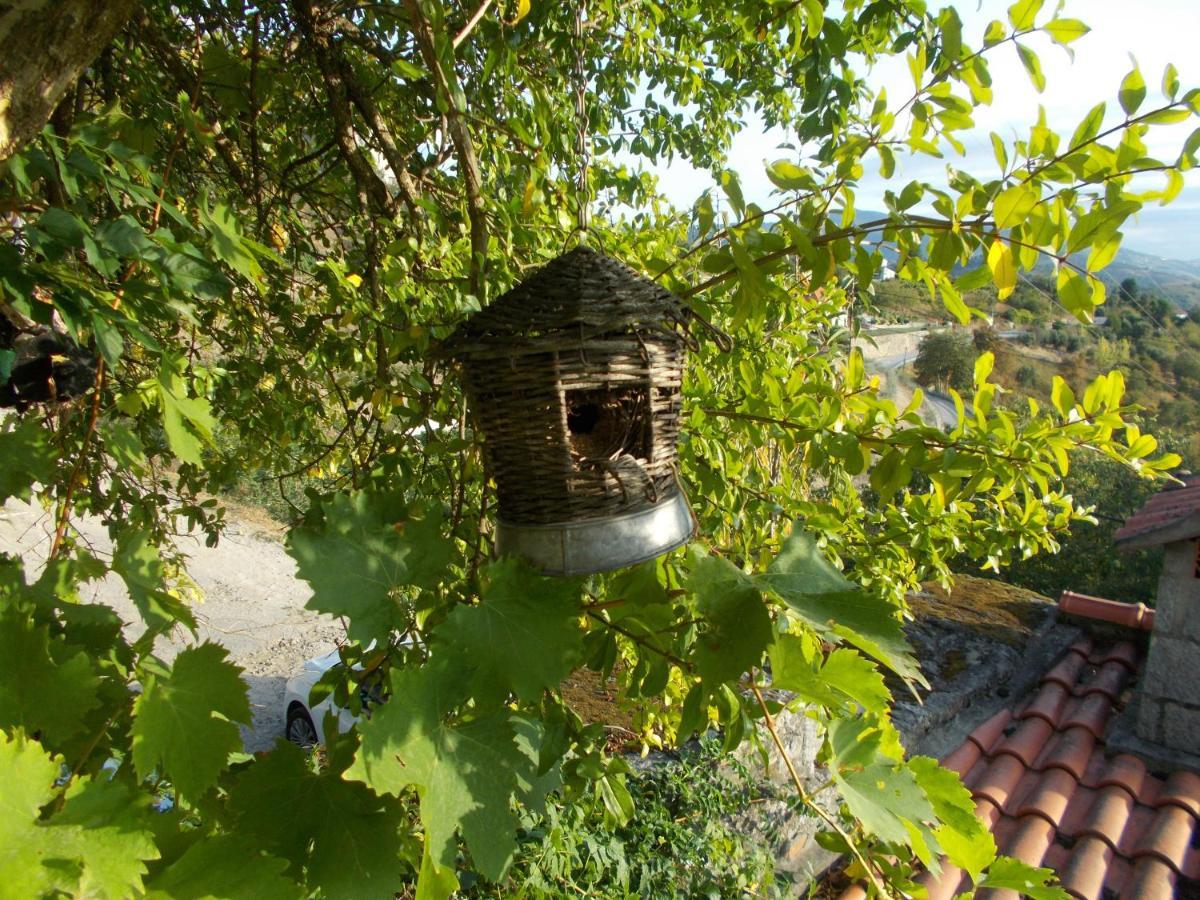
pixel 253 603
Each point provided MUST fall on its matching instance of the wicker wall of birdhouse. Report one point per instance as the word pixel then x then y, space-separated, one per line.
pixel 573 379
pixel 582 428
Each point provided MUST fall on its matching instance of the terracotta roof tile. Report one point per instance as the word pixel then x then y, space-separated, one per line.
pixel 1164 509
pixel 998 781
pixel 1152 880
pixel 1110 679
pixel 1048 703
pixel 1083 875
pixel 1182 789
pixel 1168 837
pixel 1090 712
pixel 1027 741
pixel 986 735
pixel 1066 671
pixel 1030 840
pixel 1124 771
pixel 943 886
pixel 1049 793
pixel 1108 816
pixel 963 758
pixel 1131 615
pixel 1070 750
pixel 1050 796
pixel 1125 652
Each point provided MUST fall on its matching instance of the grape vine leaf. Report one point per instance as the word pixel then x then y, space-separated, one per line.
pixel 340 832
pixel 28 457
pixel 367 546
pixel 183 721
pixel 224 866
pixel 1011 874
pixel 739 625
pixel 464 773
pixel 137 561
pixel 831 604
pixel 96 845
pixel 962 836
pixel 524 634
pixel 44 686
pixel 843 676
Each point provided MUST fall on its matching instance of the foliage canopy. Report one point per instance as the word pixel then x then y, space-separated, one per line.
pixel 261 219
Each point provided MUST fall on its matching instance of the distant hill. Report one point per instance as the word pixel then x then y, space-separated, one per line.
pixel 1176 280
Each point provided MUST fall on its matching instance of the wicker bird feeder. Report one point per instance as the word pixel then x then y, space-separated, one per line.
pixel 573 377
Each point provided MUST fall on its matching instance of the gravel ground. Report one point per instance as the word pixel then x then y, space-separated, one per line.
pixel 253 603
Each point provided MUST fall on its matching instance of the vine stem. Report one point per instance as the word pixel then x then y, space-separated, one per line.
pixel 805 796
pixel 64 510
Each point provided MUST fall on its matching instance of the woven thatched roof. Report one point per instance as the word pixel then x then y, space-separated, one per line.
pixel 578 295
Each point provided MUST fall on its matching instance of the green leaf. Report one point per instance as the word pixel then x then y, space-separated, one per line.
pixel 137 561
pixel 465 773
pixel 366 548
pixel 1033 66
pixel 63 226
pixel 1170 81
pixel 883 797
pixel 228 243
pixel 226 866
pixel 788 176
pixel 183 721
pixel 521 616
pixel 1065 31
pixel 340 833
pixel 738 625
pixel 1021 15
pixel 45 686
pixel 820 595
pixel 95 845
pixel 1011 874
pixel 983 368
pixel 187 420
pixel 1089 127
pixel 1014 205
pixel 28 457
pixel 965 840
pixel 1062 396
pixel 1133 91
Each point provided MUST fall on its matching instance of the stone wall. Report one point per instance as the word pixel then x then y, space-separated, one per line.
pixel 1169 701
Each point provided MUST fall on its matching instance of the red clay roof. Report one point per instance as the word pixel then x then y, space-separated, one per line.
pixel 1052 796
pixel 1168 507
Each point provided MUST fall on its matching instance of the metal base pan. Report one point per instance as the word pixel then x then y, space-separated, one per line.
pixel 600 545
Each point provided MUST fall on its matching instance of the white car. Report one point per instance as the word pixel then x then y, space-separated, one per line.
pixel 305 726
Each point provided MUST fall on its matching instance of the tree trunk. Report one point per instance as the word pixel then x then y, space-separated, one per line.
pixel 44 45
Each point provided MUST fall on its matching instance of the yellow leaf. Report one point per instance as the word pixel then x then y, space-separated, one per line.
pixel 355 280
pixel 1004 270
pixel 522 10
pixel 527 200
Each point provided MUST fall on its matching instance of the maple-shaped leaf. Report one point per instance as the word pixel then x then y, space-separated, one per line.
pixel 183 723
pixel 796 665
pixel 95 845
pixel 524 634
pixel 738 624
pixel 465 773
pixel 961 835
pixel 1010 874
pixel 831 604
pixel 340 832
pixel 366 547
pixel 224 866
pixel 45 686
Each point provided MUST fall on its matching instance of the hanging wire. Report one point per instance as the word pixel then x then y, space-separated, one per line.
pixel 582 145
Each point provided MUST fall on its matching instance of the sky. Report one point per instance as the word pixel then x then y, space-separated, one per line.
pixel 1155 32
